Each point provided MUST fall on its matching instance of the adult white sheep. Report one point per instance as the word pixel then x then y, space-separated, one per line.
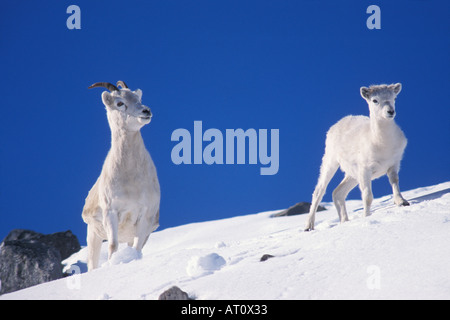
pixel 123 205
pixel 365 149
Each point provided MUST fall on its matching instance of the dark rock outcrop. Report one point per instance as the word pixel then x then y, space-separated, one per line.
pixel 28 258
pixel 65 242
pixel 25 263
pixel 299 208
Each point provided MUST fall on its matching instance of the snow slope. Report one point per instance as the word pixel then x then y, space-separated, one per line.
pixel 396 253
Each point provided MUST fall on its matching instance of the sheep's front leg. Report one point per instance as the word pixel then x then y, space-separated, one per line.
pixel 365 185
pixel 393 180
pixel 111 224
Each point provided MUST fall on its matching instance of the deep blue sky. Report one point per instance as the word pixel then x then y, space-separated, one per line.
pixel 296 66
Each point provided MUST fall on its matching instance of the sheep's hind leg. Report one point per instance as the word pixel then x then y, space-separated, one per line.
pixel 142 234
pixel 139 242
pixel 339 195
pixel 143 231
pixel 94 244
pixel 393 180
pixel 327 171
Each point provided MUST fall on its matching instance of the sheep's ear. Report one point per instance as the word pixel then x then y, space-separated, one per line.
pixel 107 98
pixel 365 92
pixel 139 93
pixel 396 88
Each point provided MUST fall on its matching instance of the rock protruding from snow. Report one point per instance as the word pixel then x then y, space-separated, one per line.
pixel 266 257
pixel 25 263
pixel 28 258
pixel 174 293
pixel 65 242
pixel 299 208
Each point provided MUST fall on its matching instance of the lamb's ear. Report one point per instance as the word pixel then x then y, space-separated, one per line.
pixel 396 88
pixel 139 93
pixel 107 98
pixel 365 92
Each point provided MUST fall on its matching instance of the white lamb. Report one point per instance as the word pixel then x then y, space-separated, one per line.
pixel 365 149
pixel 123 205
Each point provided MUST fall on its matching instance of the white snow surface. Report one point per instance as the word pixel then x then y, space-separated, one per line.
pixel 396 253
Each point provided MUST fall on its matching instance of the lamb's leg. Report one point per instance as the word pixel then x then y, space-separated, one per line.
pixel 94 244
pixel 393 180
pixel 327 171
pixel 365 184
pixel 111 223
pixel 339 195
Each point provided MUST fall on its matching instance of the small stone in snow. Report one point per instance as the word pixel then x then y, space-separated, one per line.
pixel 174 293
pixel 266 257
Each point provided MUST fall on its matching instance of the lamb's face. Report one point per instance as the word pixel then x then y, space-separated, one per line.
pixel 381 100
pixel 125 106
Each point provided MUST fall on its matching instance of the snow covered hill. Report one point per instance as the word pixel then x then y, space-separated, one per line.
pixel 397 253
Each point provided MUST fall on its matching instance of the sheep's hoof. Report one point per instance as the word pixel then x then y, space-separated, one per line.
pixel 309 229
pixel 404 203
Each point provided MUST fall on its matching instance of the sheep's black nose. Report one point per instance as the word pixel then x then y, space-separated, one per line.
pixel 146 112
pixel 391 112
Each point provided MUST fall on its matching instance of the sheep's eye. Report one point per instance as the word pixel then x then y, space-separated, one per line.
pixel 120 103
pixel 375 101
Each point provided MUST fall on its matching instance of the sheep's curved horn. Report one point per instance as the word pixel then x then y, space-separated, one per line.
pixel 122 84
pixel 106 85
